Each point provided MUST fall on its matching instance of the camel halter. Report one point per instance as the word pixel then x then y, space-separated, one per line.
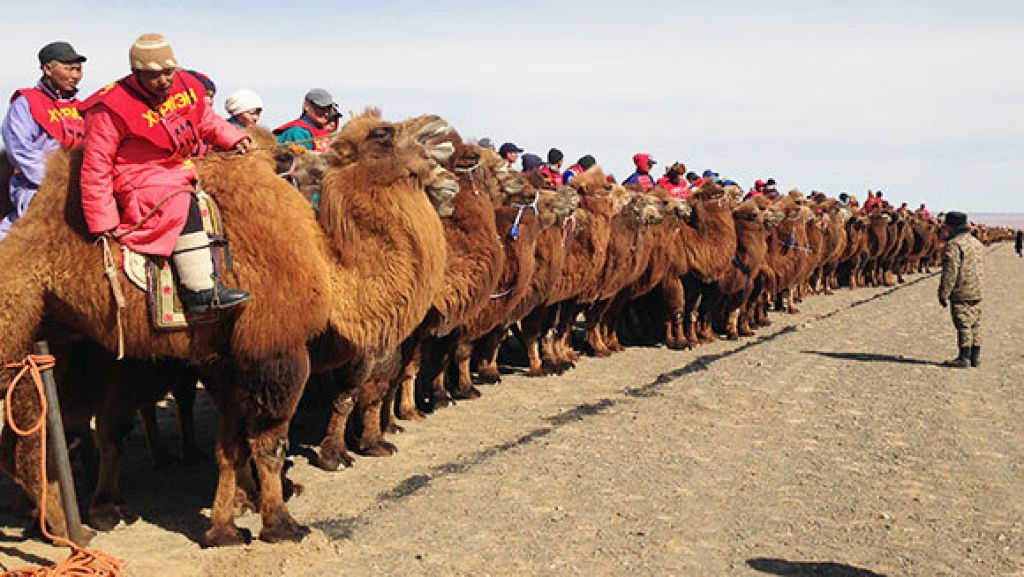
pixel 469 174
pixel 289 174
pixel 514 232
pixel 568 227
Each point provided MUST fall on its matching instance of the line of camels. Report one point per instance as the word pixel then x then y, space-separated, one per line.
pixel 396 296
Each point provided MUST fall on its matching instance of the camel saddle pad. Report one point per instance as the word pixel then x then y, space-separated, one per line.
pixel 157 277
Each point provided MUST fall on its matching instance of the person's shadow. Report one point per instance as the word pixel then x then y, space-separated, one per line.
pixel 872 358
pixel 808 568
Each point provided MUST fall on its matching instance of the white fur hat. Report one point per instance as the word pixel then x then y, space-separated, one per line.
pixel 241 101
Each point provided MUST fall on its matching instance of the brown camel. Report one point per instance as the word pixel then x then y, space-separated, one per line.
pixel 476 258
pixel 253 364
pixel 387 256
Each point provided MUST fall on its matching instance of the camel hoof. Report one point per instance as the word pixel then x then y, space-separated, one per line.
pixel 380 448
pixel 291 489
pixel 394 428
pixel 226 536
pixel 488 377
pixel 467 394
pixel 283 528
pixel 411 414
pixel 330 458
pixel 106 516
pixel 538 372
pixel 443 400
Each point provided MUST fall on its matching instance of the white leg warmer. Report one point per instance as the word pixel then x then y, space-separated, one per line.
pixel 193 261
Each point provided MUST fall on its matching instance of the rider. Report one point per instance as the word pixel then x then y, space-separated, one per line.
pixel 41 119
pixel 142 133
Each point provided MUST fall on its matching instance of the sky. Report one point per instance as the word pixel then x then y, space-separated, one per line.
pixel 922 100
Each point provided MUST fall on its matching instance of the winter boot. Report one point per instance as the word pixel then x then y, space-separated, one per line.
pixel 976 356
pixel 961 362
pixel 199 292
pixel 217 298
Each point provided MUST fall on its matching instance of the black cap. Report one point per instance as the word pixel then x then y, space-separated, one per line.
pixel 531 162
pixel 955 220
pixel 61 52
pixel 509 147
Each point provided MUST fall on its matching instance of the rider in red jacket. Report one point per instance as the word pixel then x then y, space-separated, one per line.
pixel 138 177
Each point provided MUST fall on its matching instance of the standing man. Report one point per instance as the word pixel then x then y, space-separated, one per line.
pixel 138 174
pixel 40 120
pixel 960 288
pixel 1018 244
pixel 310 128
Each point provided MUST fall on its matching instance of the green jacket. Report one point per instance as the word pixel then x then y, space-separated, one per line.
pixel 961 269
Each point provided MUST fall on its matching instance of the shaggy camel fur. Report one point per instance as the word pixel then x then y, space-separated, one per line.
pixel 254 362
pixel 373 204
pixel 549 260
pixel 585 258
pixel 707 246
pixel 630 248
pixel 788 251
pixel 488 329
pixel 476 258
pixel 733 291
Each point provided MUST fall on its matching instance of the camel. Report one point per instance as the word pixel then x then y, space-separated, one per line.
pixel 788 250
pixel 485 332
pixel 374 203
pixel 629 252
pixel 476 258
pixel 734 294
pixel 586 253
pixel 253 364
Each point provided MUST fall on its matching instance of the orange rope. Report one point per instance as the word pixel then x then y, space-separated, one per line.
pixel 82 562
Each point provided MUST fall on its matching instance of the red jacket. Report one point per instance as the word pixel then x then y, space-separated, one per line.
pixel 551 175
pixel 677 190
pixel 138 152
pixel 60 119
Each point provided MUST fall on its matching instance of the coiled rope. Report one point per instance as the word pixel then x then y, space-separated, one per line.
pixel 82 562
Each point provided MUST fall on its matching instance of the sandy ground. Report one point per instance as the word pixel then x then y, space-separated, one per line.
pixel 829 445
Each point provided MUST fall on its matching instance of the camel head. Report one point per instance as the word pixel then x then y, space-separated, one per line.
pixel 675 207
pixel 592 182
pixel 710 193
pixel 554 206
pixel 734 192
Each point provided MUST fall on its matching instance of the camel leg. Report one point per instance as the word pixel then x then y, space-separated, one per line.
pixel 531 328
pixel 593 323
pixel 269 448
pixel 369 401
pixel 157 450
pixel 184 392
pixel 464 388
pixel 231 450
pixel 732 325
pixel 332 452
pixel 407 409
pixel 107 508
pixel 488 347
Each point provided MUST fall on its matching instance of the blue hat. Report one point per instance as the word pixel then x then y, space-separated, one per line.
pixel 509 147
pixel 532 162
pixel 710 174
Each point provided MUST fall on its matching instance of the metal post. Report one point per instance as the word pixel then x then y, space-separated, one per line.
pixel 57 454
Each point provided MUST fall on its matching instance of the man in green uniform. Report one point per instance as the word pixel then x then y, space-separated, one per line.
pixel 960 287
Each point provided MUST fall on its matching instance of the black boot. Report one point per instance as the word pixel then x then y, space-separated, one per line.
pixel 976 356
pixel 218 298
pixel 961 362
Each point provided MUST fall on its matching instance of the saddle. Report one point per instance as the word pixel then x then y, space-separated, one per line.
pixel 157 278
